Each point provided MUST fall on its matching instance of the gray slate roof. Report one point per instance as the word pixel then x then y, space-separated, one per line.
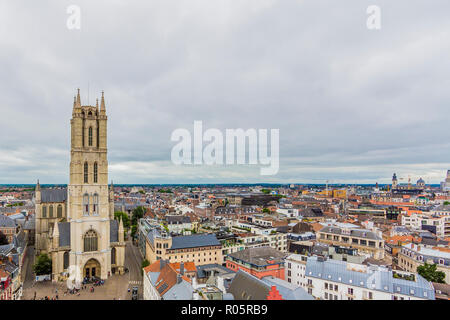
pixel 6 222
pixel 114 231
pixel 287 290
pixel 53 195
pixel 360 233
pixel 247 287
pixel 376 278
pixel 259 256
pixel 193 241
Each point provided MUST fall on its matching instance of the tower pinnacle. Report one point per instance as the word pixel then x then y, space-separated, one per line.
pixel 102 104
pixel 78 102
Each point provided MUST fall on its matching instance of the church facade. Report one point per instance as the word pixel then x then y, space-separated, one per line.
pixel 81 235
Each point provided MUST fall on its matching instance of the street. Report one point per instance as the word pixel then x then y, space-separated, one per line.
pixel 133 261
pixel 115 287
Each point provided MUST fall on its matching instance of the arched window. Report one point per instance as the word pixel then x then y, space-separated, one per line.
pixel 50 211
pixel 98 136
pixel 66 260
pixel 59 211
pixel 95 172
pixel 84 132
pixel 90 137
pixel 44 212
pixel 86 167
pixel 90 241
pixel 95 204
pixel 86 204
pixel 113 256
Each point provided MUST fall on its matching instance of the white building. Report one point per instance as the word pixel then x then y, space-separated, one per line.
pixel 339 280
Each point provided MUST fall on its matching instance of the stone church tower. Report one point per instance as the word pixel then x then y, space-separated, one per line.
pixel 90 240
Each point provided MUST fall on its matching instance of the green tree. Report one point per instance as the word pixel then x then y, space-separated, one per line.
pixel 133 230
pixel 145 263
pixel 125 219
pixel 266 210
pixel 446 203
pixel 429 272
pixel 43 265
pixel 137 214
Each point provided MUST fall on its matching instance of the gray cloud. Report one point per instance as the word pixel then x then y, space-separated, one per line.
pixel 352 105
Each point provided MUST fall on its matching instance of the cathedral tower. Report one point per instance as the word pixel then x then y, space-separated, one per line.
pixel 90 203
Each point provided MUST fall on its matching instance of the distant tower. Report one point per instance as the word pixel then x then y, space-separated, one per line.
pixel 394 181
pixel 420 183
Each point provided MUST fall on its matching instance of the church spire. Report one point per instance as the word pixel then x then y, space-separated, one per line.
pixel 96 104
pixel 102 104
pixel 38 186
pixel 120 231
pixel 78 102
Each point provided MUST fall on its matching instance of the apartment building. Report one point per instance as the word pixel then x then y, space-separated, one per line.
pixel 200 248
pixel 437 224
pixel 260 262
pixel 413 255
pixel 7 227
pixel 364 240
pixel 338 280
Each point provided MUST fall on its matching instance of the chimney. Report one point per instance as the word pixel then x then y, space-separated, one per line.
pixel 182 268
pixel 162 264
pixel 179 279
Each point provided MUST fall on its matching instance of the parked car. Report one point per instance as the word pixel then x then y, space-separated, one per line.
pixel 134 293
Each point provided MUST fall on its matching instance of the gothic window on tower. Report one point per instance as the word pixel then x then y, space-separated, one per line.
pixel 86 204
pixel 90 241
pixel 44 212
pixel 66 260
pixel 86 167
pixel 113 256
pixel 90 137
pixel 95 172
pixel 59 211
pixel 95 204
pixel 50 211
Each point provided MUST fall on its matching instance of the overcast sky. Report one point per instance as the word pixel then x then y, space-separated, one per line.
pixel 353 105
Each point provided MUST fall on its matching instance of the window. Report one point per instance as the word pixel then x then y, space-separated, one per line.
pixel 90 241
pixel 59 211
pixel 350 291
pixel 113 256
pixel 90 137
pixel 86 167
pixel 95 204
pixel 95 172
pixel 44 212
pixel 66 260
pixel 86 204
pixel 50 211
